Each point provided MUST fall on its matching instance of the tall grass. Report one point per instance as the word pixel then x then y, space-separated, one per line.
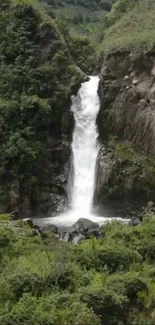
pixel 134 31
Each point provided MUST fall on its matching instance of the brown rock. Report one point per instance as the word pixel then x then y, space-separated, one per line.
pixel 127 103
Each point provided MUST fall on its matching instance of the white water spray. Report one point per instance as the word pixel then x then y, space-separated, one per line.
pixel 84 146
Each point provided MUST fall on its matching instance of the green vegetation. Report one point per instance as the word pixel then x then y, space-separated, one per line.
pixel 129 27
pixel 103 281
pixel 37 77
pixel 90 4
pixel 132 175
pixel 82 16
pixel 44 281
pixel 142 166
pixel 82 49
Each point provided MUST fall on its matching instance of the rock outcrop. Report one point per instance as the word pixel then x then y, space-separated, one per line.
pixel 126 124
pixel 127 92
pixel 37 78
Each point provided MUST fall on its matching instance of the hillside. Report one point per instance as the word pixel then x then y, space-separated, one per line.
pixel 129 27
pixel 37 77
pixel 82 16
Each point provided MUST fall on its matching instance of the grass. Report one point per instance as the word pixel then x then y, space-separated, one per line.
pixel 133 32
pixel 5 218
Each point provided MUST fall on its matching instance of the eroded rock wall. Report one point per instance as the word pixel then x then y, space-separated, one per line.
pixel 127 92
pixel 126 123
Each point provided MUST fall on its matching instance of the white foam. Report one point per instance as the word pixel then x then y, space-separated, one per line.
pixel 69 218
pixel 85 148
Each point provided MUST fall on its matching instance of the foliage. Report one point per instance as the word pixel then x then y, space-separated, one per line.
pixel 82 16
pixel 34 93
pixel 82 49
pixel 91 4
pixel 101 281
pixel 132 175
pixel 129 26
pixel 144 167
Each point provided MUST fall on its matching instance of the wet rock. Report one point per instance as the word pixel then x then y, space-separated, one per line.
pixel 40 228
pixel 84 224
pixel 134 222
pixel 78 239
pixel 36 232
pixel 65 237
pixel 93 232
pixel 28 222
pixel 76 236
pixel 49 227
pixel 16 215
pixel 86 78
pixel 150 208
pixel 60 154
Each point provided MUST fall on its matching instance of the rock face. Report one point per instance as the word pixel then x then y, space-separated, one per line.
pixel 126 123
pixel 127 92
pixel 55 176
pixel 126 180
pixel 37 78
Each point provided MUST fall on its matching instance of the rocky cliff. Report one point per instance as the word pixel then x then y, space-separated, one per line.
pixel 127 117
pixel 37 78
pixel 127 91
pixel 127 120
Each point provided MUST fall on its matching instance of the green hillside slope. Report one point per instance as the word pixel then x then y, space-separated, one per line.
pixel 82 16
pixel 37 77
pixel 129 26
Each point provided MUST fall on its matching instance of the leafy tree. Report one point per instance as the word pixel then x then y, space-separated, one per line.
pixel 34 94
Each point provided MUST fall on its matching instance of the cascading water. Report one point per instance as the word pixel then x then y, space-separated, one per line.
pixel 85 107
pixel 85 148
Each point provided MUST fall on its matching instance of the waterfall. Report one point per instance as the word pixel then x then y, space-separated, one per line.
pixel 85 149
pixel 85 107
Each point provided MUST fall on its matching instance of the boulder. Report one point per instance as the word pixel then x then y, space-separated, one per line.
pixel 135 221
pixel 78 239
pixel 66 237
pixel 84 224
pixel 28 222
pixel 93 232
pixel 49 227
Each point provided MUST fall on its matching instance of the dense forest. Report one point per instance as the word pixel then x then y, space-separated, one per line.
pixel 104 280
pixel 91 4
pixel 82 16
pixel 34 95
